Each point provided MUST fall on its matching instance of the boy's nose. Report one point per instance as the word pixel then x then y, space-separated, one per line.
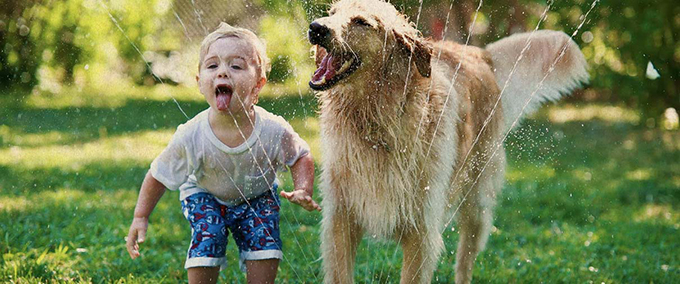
pixel 222 72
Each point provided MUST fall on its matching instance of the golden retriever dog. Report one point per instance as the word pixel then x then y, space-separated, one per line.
pixel 412 131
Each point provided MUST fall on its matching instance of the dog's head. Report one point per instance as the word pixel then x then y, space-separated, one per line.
pixel 357 40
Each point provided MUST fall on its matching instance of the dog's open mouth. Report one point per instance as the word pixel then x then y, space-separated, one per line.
pixel 223 94
pixel 333 68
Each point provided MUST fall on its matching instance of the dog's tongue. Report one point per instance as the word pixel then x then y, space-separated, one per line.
pixel 318 74
pixel 327 68
pixel 223 101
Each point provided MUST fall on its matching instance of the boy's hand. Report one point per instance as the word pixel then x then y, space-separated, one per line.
pixel 303 198
pixel 136 235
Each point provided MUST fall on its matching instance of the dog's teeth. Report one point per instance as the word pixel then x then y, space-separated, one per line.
pixel 345 65
pixel 320 82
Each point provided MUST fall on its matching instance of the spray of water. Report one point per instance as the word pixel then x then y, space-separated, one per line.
pixel 429 89
pixel 299 89
pixel 410 57
pixel 198 16
pixel 186 32
pixel 505 85
pixel 262 172
pixel 285 259
pixel 419 126
pixel 455 76
pixel 293 268
pixel 538 87
pixel 113 19
pixel 453 79
pixel 527 45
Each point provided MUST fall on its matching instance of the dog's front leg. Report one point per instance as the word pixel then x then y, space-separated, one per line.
pixel 421 250
pixel 340 237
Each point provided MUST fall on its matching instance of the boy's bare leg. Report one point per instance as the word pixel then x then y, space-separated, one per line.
pixel 261 271
pixel 203 275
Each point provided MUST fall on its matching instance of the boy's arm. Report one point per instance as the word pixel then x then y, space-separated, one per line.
pixel 303 180
pixel 152 190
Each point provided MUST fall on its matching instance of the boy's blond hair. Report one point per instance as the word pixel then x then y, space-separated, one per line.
pixel 226 30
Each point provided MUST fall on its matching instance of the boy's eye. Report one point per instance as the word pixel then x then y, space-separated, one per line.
pixel 237 67
pixel 212 66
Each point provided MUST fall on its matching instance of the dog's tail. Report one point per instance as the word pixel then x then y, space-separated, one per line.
pixel 532 68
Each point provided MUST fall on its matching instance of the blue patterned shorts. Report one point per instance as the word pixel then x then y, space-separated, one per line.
pixel 253 224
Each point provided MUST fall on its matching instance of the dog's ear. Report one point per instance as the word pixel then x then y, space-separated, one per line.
pixel 422 56
pixel 318 53
pixel 420 51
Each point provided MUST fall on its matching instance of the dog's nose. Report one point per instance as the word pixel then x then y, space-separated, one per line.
pixel 318 33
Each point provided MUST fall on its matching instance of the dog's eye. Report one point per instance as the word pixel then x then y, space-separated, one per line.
pixel 360 22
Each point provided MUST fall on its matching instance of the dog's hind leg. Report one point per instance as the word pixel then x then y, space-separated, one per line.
pixel 475 216
pixel 421 250
pixel 473 235
pixel 340 238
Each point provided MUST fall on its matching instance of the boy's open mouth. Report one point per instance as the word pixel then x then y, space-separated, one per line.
pixel 223 96
pixel 333 68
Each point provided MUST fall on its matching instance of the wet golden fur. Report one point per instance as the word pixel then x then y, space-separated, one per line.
pixel 396 137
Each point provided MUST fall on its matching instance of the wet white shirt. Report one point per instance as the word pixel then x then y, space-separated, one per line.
pixel 195 160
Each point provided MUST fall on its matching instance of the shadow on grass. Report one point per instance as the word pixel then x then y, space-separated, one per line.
pixel 83 124
pixel 95 176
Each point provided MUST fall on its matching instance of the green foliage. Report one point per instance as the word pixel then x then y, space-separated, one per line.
pixel 618 38
pixel 19 58
pixel 63 41
pixel 49 40
pixel 286 46
pixel 138 28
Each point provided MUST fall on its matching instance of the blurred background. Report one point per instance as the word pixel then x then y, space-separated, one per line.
pixel 50 45
pixel 92 90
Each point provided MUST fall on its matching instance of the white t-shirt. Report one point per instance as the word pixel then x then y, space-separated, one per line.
pixel 195 160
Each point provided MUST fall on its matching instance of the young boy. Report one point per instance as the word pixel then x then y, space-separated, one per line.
pixel 224 163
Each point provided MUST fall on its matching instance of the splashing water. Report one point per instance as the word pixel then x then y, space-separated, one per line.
pixel 538 87
pixel 108 11
pixel 186 32
pixel 271 167
pixel 298 85
pixel 410 57
pixel 453 79
pixel 455 74
pixel 198 16
pixel 505 85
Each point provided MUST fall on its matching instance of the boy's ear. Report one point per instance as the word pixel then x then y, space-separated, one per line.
pixel 258 88
pixel 260 84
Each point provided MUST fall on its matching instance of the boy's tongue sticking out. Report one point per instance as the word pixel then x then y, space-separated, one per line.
pixel 223 97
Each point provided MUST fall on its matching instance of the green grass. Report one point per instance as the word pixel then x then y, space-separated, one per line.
pixel 591 196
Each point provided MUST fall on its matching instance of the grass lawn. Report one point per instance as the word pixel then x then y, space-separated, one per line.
pixel 592 195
